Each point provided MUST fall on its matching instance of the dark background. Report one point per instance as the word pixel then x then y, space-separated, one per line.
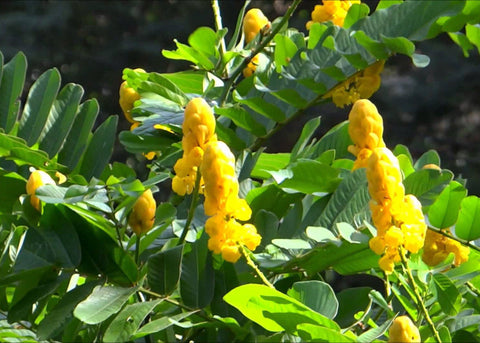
pixel 90 42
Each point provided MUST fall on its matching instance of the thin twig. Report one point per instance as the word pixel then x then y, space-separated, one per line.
pixel 418 297
pixel 263 43
pixel 218 24
pixel 254 266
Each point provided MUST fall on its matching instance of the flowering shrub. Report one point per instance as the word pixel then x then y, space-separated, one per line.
pixel 224 240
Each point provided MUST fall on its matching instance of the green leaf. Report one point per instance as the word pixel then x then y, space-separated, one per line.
pixel 468 223
pixel 427 184
pixel 13 185
pixel 285 49
pixel 349 203
pixel 444 211
pixel 102 303
pixel 188 81
pixel 311 177
pixel 473 34
pixel 462 41
pixel 267 226
pixel 197 278
pixel 387 3
pixel 291 223
pixel 446 293
pixel 38 105
pixel 307 132
pixel 400 45
pixel 204 39
pixel 338 139
pixel 372 334
pixel 321 235
pixel 261 106
pixel 77 139
pixel 159 84
pixel 355 13
pixel 60 119
pixel 351 301
pixel 317 295
pixel 242 119
pixel 57 318
pixel 164 270
pixel 430 157
pixel 273 310
pixel 269 162
pixel 127 322
pixel 293 244
pixel 11 87
pixel 160 324
pixel 315 333
pixel 100 149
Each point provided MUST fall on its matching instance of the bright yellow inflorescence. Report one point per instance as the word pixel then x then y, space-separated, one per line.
pixel 142 217
pixel 360 86
pixel 198 130
pixel 437 247
pixel 366 130
pixel 37 178
pixel 331 10
pixel 403 330
pixel 398 217
pixel 224 206
pixel 254 22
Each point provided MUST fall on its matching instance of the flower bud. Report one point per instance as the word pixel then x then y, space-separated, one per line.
pixel 253 23
pixel 403 330
pixel 142 217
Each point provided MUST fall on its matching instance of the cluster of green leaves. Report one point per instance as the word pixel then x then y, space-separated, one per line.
pixel 75 272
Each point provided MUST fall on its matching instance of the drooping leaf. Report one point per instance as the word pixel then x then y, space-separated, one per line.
pixel 103 302
pixel 273 310
pixel 444 211
pixel 446 293
pixel 37 107
pixel 317 295
pixel 468 222
pixel 164 270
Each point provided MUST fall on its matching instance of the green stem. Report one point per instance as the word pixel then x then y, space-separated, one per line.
pixel 218 24
pixel 418 297
pixel 263 43
pixel 191 211
pixel 254 266
pixel 459 240
pixel 137 249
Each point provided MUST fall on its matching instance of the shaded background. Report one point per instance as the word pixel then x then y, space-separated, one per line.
pixel 90 42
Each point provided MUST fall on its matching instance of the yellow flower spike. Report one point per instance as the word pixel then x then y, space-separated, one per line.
pixel 253 22
pixel 37 178
pixel 437 247
pixel 142 217
pixel 331 10
pixel 403 330
pixel 365 126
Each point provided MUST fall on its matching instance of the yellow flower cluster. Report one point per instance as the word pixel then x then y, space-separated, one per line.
pixel 198 130
pixel 366 130
pixel 37 178
pixel 254 22
pixel 360 86
pixel 142 217
pixel 331 10
pixel 224 206
pixel 403 330
pixel 398 217
pixel 437 247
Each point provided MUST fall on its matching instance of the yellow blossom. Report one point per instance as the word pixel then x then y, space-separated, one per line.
pixel 437 247
pixel 198 130
pixel 253 23
pixel 403 330
pixel 362 85
pixel 224 206
pixel 37 178
pixel 331 10
pixel 142 217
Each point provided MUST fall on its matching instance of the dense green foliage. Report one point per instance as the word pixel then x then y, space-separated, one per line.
pixel 74 271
